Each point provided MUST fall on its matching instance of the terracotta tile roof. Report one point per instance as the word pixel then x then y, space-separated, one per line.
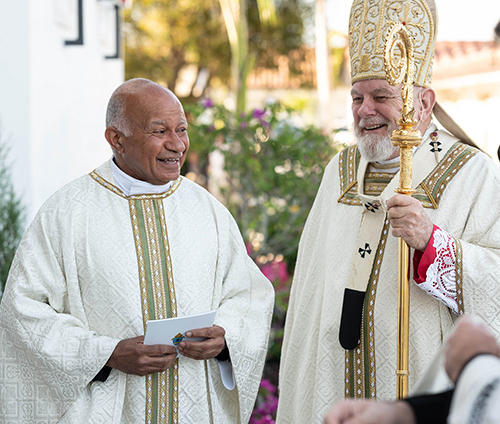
pixel 281 77
pixel 459 58
pixel 451 59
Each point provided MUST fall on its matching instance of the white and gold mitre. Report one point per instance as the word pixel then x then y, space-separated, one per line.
pixel 369 23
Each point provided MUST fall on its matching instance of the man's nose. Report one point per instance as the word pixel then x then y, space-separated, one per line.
pixel 174 143
pixel 367 108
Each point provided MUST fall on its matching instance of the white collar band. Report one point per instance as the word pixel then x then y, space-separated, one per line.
pixel 131 186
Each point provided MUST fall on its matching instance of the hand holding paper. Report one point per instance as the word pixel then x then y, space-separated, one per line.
pixel 207 349
pixel 197 328
pixel 131 356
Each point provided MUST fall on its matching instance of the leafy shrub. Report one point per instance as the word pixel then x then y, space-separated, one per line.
pixel 273 168
pixel 11 218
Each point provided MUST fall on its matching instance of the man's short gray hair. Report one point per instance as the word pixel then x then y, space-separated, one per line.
pixel 115 115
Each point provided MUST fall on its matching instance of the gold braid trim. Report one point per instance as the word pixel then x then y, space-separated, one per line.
pixel 116 190
pixel 459 277
pixel 430 191
pixel 157 299
pixel 348 167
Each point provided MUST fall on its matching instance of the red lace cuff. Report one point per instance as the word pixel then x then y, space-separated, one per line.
pixel 434 269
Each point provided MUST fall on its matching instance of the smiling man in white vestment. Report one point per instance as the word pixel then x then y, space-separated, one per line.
pixel 341 328
pixel 130 242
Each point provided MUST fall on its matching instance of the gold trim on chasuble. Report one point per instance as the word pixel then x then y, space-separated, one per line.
pixel 360 374
pixel 348 167
pixel 458 277
pixel 157 291
pixel 374 184
pixel 428 192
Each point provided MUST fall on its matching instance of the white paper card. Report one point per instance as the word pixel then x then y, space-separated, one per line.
pixel 171 331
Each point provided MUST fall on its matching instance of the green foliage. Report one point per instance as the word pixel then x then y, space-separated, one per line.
pixel 269 42
pixel 11 218
pixel 273 170
pixel 164 36
pixel 337 62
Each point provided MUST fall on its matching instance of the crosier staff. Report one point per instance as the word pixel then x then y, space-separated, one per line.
pixel 399 69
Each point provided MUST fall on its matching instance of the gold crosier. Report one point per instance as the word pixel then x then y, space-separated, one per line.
pixel 399 68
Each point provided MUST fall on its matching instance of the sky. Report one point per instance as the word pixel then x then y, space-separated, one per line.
pixel 459 20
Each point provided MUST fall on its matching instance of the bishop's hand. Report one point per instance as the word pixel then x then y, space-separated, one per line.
pixel 409 221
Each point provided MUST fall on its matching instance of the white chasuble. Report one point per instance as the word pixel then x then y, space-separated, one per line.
pixel 460 195
pixel 92 268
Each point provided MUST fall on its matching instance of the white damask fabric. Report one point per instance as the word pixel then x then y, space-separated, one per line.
pixel 73 293
pixel 312 371
pixel 440 281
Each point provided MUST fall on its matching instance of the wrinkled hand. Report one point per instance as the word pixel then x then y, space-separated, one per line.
pixel 409 221
pixel 470 338
pixel 206 349
pixel 370 412
pixel 133 357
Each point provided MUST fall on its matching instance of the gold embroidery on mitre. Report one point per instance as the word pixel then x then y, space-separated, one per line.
pixel 369 22
pixel 364 66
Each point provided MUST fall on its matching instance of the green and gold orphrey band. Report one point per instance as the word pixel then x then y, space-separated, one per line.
pixel 158 300
pixel 157 291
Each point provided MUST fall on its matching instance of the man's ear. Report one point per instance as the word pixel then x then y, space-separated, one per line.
pixel 428 97
pixel 114 138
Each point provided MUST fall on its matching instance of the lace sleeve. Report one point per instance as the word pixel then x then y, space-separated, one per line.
pixel 435 268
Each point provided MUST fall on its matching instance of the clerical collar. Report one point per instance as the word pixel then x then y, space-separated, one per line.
pixel 131 186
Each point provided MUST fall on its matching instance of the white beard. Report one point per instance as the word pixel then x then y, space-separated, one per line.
pixel 374 148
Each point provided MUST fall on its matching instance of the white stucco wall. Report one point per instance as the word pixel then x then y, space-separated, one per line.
pixel 479 119
pixel 53 97
pixel 474 102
